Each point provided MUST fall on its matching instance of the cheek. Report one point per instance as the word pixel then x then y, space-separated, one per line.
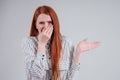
pixel 38 26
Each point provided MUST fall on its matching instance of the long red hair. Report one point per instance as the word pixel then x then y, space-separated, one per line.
pixel 55 47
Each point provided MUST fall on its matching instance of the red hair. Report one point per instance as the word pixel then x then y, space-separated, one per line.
pixel 55 47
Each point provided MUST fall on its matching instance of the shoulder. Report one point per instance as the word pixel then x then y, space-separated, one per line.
pixel 28 40
pixel 67 40
pixel 28 44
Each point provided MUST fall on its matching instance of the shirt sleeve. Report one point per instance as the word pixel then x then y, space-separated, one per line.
pixel 35 63
pixel 73 66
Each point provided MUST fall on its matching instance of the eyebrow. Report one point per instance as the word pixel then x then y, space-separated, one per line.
pixel 49 21
pixel 45 21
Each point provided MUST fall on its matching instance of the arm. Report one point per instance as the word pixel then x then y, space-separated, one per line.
pixel 82 46
pixel 74 67
pixel 36 63
pixel 35 59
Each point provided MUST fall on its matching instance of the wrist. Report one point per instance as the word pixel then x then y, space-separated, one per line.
pixel 41 48
pixel 79 51
pixel 41 44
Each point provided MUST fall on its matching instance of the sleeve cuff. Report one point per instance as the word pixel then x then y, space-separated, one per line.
pixel 75 66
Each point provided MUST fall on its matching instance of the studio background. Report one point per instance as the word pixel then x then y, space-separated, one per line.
pixel 79 19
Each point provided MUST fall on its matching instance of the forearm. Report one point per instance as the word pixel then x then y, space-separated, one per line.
pixel 41 48
pixel 74 67
pixel 77 57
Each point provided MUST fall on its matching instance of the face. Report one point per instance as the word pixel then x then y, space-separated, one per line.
pixel 43 21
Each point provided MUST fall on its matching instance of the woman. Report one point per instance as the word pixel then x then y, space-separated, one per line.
pixel 48 54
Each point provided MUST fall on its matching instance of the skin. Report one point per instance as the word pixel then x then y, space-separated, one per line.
pixel 83 46
pixel 45 28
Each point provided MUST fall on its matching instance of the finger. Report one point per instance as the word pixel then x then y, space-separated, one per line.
pixel 48 30
pixel 50 26
pixel 43 29
pixel 51 31
pixel 85 39
pixel 95 44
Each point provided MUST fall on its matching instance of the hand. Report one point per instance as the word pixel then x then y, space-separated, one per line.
pixel 45 35
pixel 84 45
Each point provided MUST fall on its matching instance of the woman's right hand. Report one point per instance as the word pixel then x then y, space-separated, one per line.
pixel 45 34
pixel 43 38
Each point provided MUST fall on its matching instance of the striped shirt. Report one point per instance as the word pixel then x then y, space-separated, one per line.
pixel 38 65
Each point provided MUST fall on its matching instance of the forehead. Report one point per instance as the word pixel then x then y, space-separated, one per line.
pixel 44 17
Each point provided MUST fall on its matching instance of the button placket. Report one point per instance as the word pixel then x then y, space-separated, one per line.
pixel 49 59
pixel 43 57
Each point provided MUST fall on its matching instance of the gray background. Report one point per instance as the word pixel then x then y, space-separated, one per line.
pixel 92 19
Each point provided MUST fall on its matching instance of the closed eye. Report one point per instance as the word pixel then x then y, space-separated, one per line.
pixel 50 22
pixel 41 22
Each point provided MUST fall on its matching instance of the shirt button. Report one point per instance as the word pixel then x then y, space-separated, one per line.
pixel 42 58
pixel 43 55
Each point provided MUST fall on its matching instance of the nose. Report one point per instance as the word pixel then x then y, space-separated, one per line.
pixel 46 24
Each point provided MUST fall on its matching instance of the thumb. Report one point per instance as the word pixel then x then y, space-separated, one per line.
pixel 85 39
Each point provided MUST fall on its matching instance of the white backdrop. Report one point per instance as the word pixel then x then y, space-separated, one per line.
pixel 92 19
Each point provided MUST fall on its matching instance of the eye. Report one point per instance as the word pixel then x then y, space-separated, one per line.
pixel 41 22
pixel 50 22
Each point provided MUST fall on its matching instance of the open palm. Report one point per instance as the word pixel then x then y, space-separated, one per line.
pixel 84 45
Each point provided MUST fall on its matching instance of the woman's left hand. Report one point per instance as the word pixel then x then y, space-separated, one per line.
pixel 84 45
